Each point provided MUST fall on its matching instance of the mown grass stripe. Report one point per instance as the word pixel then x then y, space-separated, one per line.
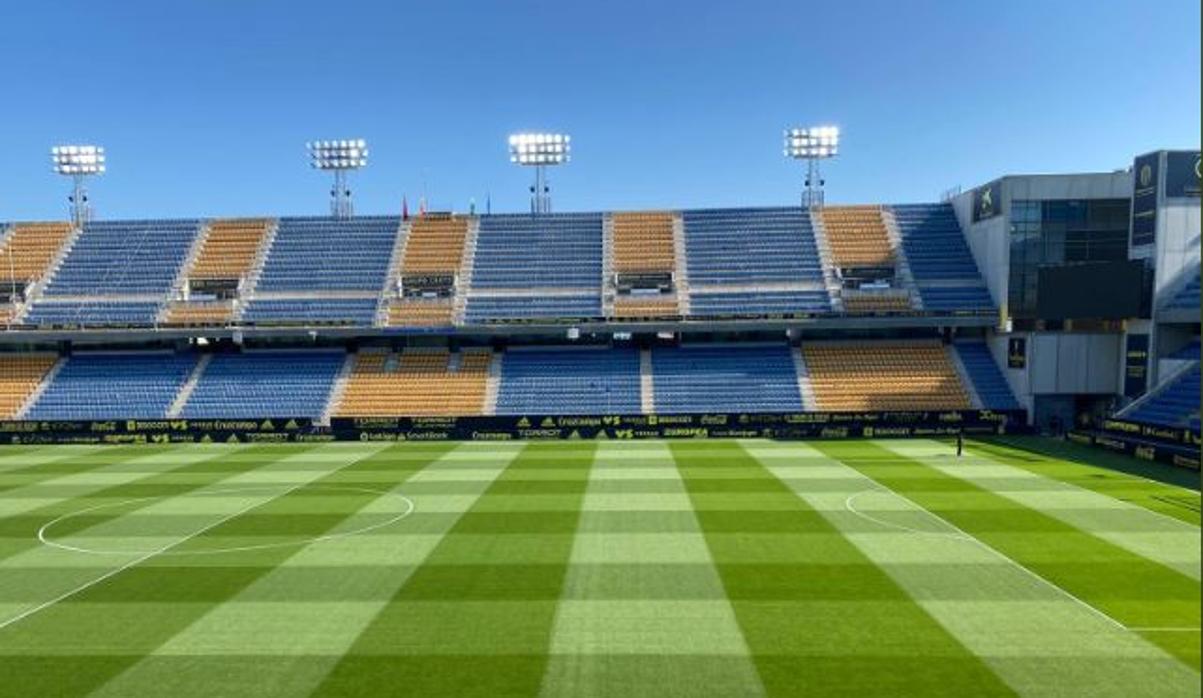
pixel 644 613
pixel 94 613
pixel 1150 534
pixel 1014 622
pixel 1132 590
pixel 301 616
pixel 476 617
pixel 817 621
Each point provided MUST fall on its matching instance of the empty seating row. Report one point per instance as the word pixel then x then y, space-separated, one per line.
pixel 124 258
pixel 857 236
pixel 327 254
pixel 420 312
pixel 418 382
pixel 883 376
pixel 749 303
pixel 265 384
pixel 873 302
pixel 1187 297
pixel 569 381
pixel 28 249
pixel 643 242
pixel 482 309
pixel 988 380
pixel 1172 404
pixel 725 379
pixel 101 386
pixel 435 245
pixel 748 246
pixel 546 251
pixel 229 249
pixel 296 311
pixel 200 313
pixel 20 375
pixel 953 299
pixel 631 306
pixel 933 242
pixel 93 313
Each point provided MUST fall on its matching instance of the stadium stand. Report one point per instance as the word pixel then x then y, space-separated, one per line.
pixel 93 313
pixel 1187 298
pixel 865 302
pixel 750 246
pixel 418 382
pixel 725 378
pixel 114 258
pixel 20 375
pixel 138 385
pixel 944 270
pixel 856 376
pixel 229 249
pixel 28 249
pixel 200 313
pixel 1190 352
pixel 755 303
pixel 857 236
pixel 435 247
pixel 520 251
pixel 642 243
pixel 486 308
pixel 1173 404
pixel 321 311
pixel 636 306
pixel 327 254
pixel 987 379
pixel 258 384
pixel 569 381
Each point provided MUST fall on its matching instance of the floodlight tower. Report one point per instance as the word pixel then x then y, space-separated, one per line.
pixel 540 151
pixel 78 162
pixel 339 157
pixel 812 145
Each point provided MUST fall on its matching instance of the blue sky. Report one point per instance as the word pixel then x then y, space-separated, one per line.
pixel 205 106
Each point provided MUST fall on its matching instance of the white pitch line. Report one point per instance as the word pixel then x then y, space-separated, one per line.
pixel 974 539
pixel 1164 630
pixel 143 558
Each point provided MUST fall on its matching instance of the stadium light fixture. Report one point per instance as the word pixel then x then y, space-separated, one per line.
pixel 78 162
pixel 540 151
pixel 339 157
pixel 812 145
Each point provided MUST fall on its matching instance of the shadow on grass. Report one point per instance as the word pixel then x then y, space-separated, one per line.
pixel 1017 448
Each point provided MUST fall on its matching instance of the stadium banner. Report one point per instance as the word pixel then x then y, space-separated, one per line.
pixel 987 201
pixel 802 425
pixel 1181 456
pixel 1182 174
pixel 1178 436
pixel 1146 175
pixel 132 431
pixel 1136 365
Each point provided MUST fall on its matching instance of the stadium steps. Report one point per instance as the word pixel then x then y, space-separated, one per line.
pixel 681 280
pixel 337 390
pixel 607 281
pixel 181 399
pixel 804 388
pixel 467 264
pixel 902 266
pixel 251 281
pixel 33 293
pixel 1153 394
pixel 831 279
pixel 647 383
pixel 389 291
pixel 37 392
pixel 975 399
pixel 493 385
pixel 178 290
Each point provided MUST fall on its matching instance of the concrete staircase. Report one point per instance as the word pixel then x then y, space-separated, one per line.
pixel 389 290
pixel 179 287
pixel 831 278
pixel 805 389
pixel 647 386
pixel 681 271
pixel 904 276
pixel 607 280
pixel 493 385
pixel 33 292
pixel 337 390
pixel 467 264
pixel 250 283
pixel 186 390
pixel 37 392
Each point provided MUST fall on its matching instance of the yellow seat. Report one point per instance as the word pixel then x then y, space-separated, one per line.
pixel 875 376
pixel 417 382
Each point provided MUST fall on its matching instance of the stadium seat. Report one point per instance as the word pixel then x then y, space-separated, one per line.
pixel 725 378
pixel 311 311
pixel 750 246
pixel 418 382
pixel 125 385
pixel 28 249
pixel 328 254
pixel 939 259
pixel 569 381
pixel 856 376
pixel 93 313
pixel 230 248
pixel 987 378
pixel 1175 403
pixel 258 384
pixel 643 242
pixel 112 258
pixel 522 251
pixel 435 245
pixel 20 375
pixel 857 236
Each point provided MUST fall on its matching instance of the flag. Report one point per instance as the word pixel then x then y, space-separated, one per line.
pixel 422 206
pixel 404 208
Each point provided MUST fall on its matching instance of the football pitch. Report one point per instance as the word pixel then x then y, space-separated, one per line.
pixel 646 568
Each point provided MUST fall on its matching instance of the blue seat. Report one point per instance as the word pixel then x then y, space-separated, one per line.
pixel 750 245
pixel 987 378
pixel 936 252
pixel 255 385
pixel 484 309
pixel 751 303
pixel 329 254
pixel 114 386
pixel 569 381
pixel 93 313
pixel 1173 404
pixel 294 311
pixel 725 379
pixel 124 257
pixel 545 251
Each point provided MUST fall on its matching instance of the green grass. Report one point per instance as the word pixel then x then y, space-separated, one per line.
pixel 725 568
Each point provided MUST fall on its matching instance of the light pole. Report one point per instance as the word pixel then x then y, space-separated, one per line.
pixel 812 145
pixel 78 162
pixel 339 157
pixel 540 151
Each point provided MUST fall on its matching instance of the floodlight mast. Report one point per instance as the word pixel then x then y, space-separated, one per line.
pixel 813 145
pixel 78 162
pixel 540 151
pixel 339 157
